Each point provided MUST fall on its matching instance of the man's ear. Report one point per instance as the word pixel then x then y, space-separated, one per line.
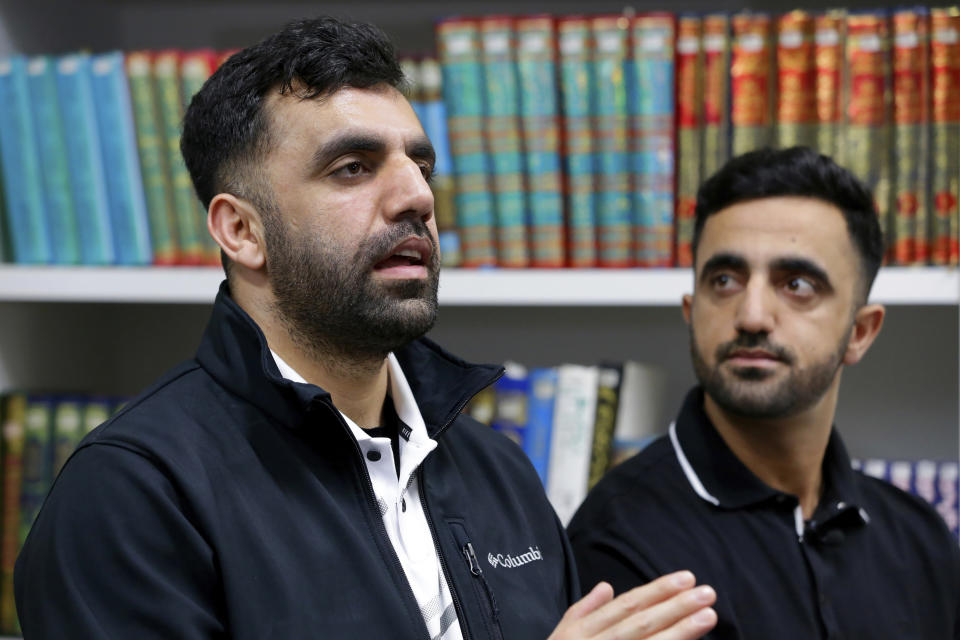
pixel 687 307
pixel 866 325
pixel 236 226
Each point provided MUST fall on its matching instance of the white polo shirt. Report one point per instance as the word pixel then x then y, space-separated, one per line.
pixel 399 500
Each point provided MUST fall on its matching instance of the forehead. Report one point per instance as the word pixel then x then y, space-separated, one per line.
pixel 766 229
pixel 381 109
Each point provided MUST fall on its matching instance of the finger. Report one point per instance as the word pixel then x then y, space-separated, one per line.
pixel 638 599
pixel 682 616
pixel 690 628
pixel 598 596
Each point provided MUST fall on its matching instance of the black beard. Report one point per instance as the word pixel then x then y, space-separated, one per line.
pixel 332 306
pixel 740 394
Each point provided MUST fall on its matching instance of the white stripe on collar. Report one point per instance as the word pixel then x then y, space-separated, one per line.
pixel 688 471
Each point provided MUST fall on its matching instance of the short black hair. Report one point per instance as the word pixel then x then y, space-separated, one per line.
pixel 801 172
pixel 225 129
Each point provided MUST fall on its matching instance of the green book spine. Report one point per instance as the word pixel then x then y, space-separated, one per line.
pixel 166 71
pixel 12 416
pixel 156 182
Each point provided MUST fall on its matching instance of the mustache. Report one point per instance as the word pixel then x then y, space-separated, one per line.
pixel 754 341
pixel 373 249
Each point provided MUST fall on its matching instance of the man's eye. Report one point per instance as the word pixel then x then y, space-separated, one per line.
pixel 801 287
pixel 722 281
pixel 350 169
pixel 427 172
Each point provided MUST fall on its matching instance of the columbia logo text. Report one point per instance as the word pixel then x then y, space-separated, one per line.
pixel 512 562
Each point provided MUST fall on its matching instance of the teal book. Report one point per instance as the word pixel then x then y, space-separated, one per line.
pixel 52 154
pixel 463 90
pixel 118 144
pixel 576 87
pixel 87 181
pixel 23 184
pixel 504 141
pixel 540 120
pixel 652 115
pixel 611 130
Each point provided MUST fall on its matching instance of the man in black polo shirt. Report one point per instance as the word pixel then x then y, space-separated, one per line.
pixel 752 489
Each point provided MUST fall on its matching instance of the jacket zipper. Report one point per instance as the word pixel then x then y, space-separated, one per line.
pixel 477 572
pixel 457 605
pixel 372 504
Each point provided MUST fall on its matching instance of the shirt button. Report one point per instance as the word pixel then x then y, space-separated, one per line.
pixel 403 505
pixel 373 455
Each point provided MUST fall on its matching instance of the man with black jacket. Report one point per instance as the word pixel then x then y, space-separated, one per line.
pixel 309 473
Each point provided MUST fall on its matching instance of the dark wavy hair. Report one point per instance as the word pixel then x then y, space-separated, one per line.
pixel 802 172
pixel 226 132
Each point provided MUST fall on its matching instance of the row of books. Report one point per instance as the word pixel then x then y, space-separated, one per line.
pixel 39 432
pixel 936 482
pixel 90 151
pixel 575 422
pixel 580 141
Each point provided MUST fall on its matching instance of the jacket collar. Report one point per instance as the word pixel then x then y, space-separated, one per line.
pixel 719 477
pixel 234 352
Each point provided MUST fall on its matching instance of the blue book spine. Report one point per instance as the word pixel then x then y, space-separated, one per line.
pixel 543 391
pixel 23 190
pixel 118 142
pixel 652 110
pixel 87 182
pixel 58 199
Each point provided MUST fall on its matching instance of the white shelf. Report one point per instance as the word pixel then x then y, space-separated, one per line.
pixel 458 287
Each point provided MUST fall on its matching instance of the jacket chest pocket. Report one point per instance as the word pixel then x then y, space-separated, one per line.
pixel 483 598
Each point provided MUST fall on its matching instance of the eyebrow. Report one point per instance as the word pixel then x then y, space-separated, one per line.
pixel 720 261
pixel 419 149
pixel 803 266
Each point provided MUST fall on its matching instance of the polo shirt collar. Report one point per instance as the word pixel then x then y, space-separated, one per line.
pixel 719 477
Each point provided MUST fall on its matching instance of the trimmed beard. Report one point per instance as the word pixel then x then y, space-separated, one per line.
pixel 331 304
pixel 742 391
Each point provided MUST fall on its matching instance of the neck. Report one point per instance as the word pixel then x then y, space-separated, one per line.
pixel 357 385
pixel 785 453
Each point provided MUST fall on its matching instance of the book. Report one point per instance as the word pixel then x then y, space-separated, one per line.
pixel 87 181
pixel 572 438
pixel 715 141
pixel 96 411
pixel 195 67
pixel 118 147
pixel 540 407
pixel 52 155
pixel 652 128
pixel 511 394
pixel 689 108
pixel 576 81
pixel 22 182
pixel 752 86
pixel 796 121
pixel 945 132
pixel 911 118
pixel 539 118
pixel 867 117
pixel 608 397
pixel 37 468
pixel 67 429
pixel 501 129
pixel 166 74
pixel 829 46
pixel 434 122
pixel 611 129
pixel 641 413
pixel 12 418
pixel 459 50
pixel 156 179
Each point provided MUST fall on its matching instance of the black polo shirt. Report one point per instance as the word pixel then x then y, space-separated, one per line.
pixel 872 563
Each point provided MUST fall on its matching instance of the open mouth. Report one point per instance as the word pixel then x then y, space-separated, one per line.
pixel 409 259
